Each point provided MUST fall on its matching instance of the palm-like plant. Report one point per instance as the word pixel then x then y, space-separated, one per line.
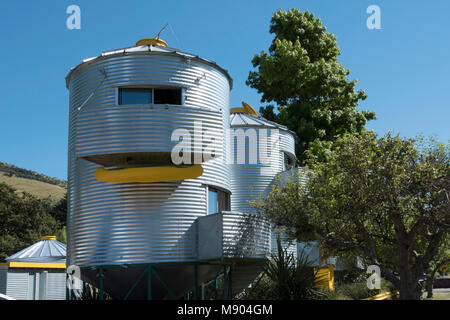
pixel 285 278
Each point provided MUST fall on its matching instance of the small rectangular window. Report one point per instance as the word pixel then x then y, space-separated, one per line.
pixel 213 201
pixel 167 96
pixel 150 96
pixel 135 96
pixel 288 162
pixel 218 201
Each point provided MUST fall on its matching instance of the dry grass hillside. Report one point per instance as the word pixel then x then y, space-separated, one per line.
pixel 29 181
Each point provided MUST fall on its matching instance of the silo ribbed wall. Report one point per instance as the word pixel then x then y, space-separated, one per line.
pixel 251 182
pixel 125 223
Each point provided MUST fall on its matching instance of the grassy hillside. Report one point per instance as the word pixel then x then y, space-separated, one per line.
pixel 32 182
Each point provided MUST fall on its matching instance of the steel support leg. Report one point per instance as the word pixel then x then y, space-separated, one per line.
pixel 195 281
pixel 102 276
pixel 230 284
pixel 149 283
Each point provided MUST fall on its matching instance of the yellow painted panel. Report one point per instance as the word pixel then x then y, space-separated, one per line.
pixel 36 265
pixel 331 280
pixel 237 110
pixel 48 238
pixel 325 277
pixel 322 277
pixel 248 109
pixel 149 174
pixel 381 296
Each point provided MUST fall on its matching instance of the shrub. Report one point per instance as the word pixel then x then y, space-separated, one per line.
pixel 356 291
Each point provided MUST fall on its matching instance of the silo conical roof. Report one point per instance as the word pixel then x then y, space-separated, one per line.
pixel 48 250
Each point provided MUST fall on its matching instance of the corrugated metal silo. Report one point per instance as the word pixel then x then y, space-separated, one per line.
pixel 254 176
pixel 124 107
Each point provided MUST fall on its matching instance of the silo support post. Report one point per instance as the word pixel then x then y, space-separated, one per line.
pixel 225 282
pixel 230 284
pixel 196 281
pixel 136 283
pixel 101 283
pixel 163 283
pixel 149 282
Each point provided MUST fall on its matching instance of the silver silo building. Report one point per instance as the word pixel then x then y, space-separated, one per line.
pixel 133 214
pixel 37 272
pixel 261 151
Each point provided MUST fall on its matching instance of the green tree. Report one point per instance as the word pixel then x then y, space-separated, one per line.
pixel 23 220
pixel 302 75
pixel 61 235
pixel 376 198
pixel 441 258
pixel 59 210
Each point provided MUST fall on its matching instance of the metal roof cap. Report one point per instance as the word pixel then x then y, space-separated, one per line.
pixel 44 251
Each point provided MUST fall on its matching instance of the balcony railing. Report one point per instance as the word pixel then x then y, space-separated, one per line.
pixel 231 235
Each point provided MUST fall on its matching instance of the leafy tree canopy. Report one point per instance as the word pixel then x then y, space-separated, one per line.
pixel 302 75
pixel 23 220
pixel 377 198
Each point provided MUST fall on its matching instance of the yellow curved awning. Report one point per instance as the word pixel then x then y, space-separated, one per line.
pixel 248 109
pixel 149 174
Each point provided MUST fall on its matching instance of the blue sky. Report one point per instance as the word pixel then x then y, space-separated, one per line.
pixel 404 67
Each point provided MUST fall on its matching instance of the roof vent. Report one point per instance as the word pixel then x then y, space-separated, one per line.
pixel 151 42
pixel 48 238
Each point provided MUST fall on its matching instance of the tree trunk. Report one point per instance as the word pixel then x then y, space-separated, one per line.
pixel 429 286
pixel 430 281
pixel 409 281
pixel 410 289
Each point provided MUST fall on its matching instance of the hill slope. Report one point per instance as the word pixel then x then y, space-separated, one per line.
pixel 32 182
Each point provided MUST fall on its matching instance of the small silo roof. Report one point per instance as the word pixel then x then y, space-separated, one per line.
pixel 248 117
pixel 48 250
pixel 144 48
pixel 248 120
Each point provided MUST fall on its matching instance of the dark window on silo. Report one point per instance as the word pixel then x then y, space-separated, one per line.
pixel 288 162
pixel 167 96
pixel 218 201
pixel 135 96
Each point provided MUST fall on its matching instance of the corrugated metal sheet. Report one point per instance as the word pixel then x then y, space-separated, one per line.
pixel 252 182
pixel 233 235
pixel 56 285
pixel 310 251
pixel 3 279
pixel 17 285
pixel 139 128
pixel 44 251
pixel 139 222
pixel 289 245
pixel 146 49
pixel 245 235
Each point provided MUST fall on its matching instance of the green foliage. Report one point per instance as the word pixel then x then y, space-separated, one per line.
pixel 376 198
pixel 61 235
pixel 11 170
pixel 302 75
pixel 356 291
pixel 285 279
pixel 90 292
pixel 59 210
pixel 23 220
